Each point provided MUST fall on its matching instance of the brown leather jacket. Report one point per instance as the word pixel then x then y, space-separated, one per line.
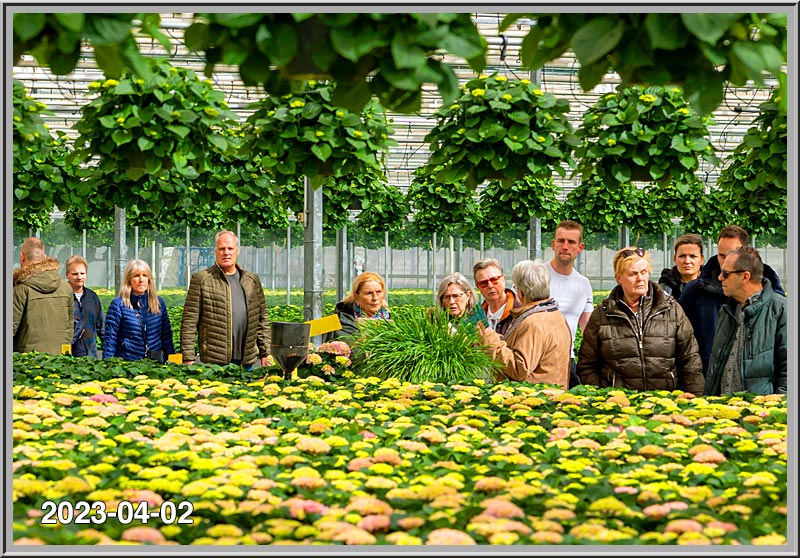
pixel 662 354
pixel 207 318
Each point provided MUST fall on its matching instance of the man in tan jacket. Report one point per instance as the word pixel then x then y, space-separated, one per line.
pixel 43 308
pixel 225 312
pixel 538 343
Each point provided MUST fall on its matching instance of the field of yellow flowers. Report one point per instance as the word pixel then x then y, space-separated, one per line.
pixel 248 459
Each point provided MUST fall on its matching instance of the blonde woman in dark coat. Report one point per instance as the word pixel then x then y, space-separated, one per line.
pixel 639 337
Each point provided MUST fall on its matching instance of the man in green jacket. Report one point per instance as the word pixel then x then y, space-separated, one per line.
pixel 749 351
pixel 225 312
pixel 43 309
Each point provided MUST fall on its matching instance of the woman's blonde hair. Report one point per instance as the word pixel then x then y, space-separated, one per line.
pixel 125 289
pixel 628 256
pixel 359 281
pixel 463 284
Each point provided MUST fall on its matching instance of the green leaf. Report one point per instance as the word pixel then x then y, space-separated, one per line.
pixel 218 141
pixel 665 31
pixel 406 55
pixel 322 150
pixel 597 38
pixel 590 75
pixel 104 30
pixel 352 95
pixel 748 53
pixel 709 27
pixel 238 21
pixel 144 143
pixel 181 131
pixel 196 37
pixel 27 26
pixel 121 137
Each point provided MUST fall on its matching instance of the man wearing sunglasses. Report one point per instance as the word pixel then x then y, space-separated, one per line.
pixel 703 298
pixel 572 291
pixel 749 350
pixel 498 300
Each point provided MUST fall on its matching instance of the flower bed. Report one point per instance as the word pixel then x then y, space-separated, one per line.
pixel 364 461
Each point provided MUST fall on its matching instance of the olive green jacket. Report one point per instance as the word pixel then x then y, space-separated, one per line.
pixel 207 318
pixel 43 308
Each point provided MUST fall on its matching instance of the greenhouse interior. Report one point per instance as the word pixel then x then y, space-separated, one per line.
pixel 409 146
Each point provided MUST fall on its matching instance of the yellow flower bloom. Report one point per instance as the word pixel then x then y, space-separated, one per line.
pixel 477 92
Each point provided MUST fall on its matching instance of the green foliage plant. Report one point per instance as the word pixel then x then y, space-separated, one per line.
pixel 421 346
pixel 444 208
pixel 504 205
pixel 154 139
pixel 390 56
pixel 42 179
pixel 55 39
pixel 503 129
pixel 600 208
pixel 754 181
pixel 701 51
pixel 643 134
pixel 307 134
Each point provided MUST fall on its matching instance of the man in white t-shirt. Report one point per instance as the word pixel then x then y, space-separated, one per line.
pixel 572 291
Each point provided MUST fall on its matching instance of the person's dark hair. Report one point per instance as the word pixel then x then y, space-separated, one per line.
pixel 749 260
pixel 695 239
pixel 571 226
pixel 735 231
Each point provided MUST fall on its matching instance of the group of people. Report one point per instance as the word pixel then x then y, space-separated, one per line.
pixel 705 328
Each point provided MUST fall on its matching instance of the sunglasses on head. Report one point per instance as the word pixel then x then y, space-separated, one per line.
pixel 628 253
pixel 725 272
pixel 493 280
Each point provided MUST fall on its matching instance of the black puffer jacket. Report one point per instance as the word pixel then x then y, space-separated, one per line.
pixel 670 281
pixel 662 354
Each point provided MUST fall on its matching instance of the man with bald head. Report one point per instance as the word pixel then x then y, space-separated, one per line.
pixel 43 308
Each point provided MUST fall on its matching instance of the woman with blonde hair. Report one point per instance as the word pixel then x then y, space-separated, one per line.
pixel 137 322
pixel 639 337
pixel 367 300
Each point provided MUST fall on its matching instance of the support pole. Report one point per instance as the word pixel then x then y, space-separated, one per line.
pixel 342 263
pixel 312 244
pixel 83 245
pixel 120 247
pixel 188 255
pixel 289 261
pixel 386 265
pixel 136 242
pixel 535 239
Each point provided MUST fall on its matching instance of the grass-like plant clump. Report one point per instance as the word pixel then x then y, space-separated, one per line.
pixel 421 346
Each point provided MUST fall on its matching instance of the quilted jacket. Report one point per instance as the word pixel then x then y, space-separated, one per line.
pixel 43 310
pixel 763 359
pixel 124 337
pixel 661 354
pixel 206 322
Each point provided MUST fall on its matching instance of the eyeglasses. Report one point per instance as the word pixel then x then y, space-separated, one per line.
pixel 453 297
pixel 628 253
pixel 725 272
pixel 493 280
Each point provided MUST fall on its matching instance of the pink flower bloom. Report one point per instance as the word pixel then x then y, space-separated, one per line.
pixel 143 535
pixel 367 435
pixel 683 525
pixel 104 398
pixel 375 522
pixel 625 490
pixel 359 463
pixel 449 537
pixel 497 507
pixel 409 523
pixel 709 456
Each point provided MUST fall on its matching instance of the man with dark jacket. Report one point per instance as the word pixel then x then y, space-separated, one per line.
pixel 88 309
pixel 703 298
pixel 43 319
pixel 749 351
pixel 225 311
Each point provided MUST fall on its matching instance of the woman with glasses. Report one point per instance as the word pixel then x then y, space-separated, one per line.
pixel 367 300
pixel 639 338
pixel 538 344
pixel 137 322
pixel 456 296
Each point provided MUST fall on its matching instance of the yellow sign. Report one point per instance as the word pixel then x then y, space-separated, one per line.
pixel 66 349
pixel 177 358
pixel 324 324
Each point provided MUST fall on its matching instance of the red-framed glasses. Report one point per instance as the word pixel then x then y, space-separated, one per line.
pixel 493 280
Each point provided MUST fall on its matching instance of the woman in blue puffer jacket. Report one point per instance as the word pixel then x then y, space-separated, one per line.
pixel 137 322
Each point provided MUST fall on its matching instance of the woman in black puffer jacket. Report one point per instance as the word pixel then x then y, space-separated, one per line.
pixel 639 338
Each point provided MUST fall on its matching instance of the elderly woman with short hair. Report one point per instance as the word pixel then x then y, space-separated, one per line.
pixel 455 295
pixel 536 346
pixel 639 337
